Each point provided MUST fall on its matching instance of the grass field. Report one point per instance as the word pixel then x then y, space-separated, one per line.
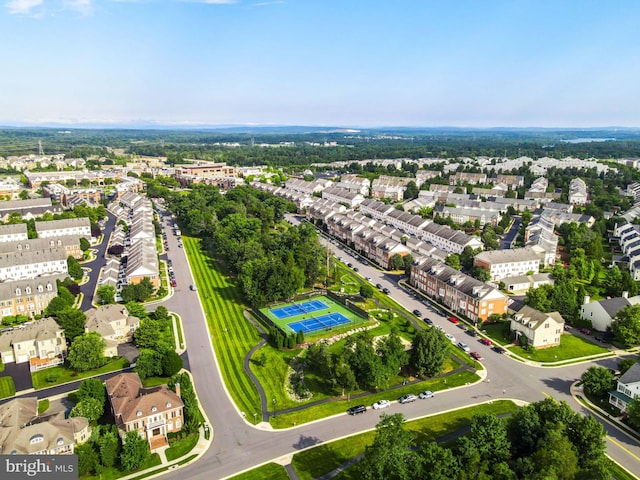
pixel 320 460
pixel 181 447
pixel 570 347
pixel 59 375
pixel 232 335
pixel 334 307
pixel 269 471
pixel 7 388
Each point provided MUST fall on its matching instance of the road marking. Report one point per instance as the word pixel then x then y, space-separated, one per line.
pixel 547 395
pixel 616 443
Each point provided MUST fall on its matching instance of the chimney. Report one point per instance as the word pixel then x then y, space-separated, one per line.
pixel 177 387
pixel 587 298
pixel 625 294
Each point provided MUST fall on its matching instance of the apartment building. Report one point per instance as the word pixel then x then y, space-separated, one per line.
pixel 27 265
pixel 508 263
pixel 152 412
pixel 201 168
pixel 460 293
pixel 341 195
pixel 70 243
pixel 80 227
pixel 41 343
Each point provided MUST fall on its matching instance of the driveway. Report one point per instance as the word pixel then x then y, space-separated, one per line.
pixel 128 351
pixel 20 374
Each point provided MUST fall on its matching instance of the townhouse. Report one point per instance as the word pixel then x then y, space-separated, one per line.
pixel 24 432
pixel 508 263
pixel 309 188
pixel 151 412
pixel 70 244
pixel 462 215
pixel 13 233
pixel 386 186
pixel 375 209
pixel 459 292
pixel 578 194
pixel 511 181
pixel 28 297
pixel 9 189
pixel 354 184
pixel 535 328
pixel 27 265
pixel 423 175
pixel 70 196
pixel 447 239
pixel 407 222
pixel 601 313
pixel 142 261
pixel 628 236
pixel 465 177
pixel 28 209
pixel 341 195
pixel 80 227
pixel 41 343
pixel 75 177
pixel 540 237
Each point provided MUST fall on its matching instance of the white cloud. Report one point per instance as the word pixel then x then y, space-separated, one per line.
pixel 22 7
pixel 80 6
pixel 264 4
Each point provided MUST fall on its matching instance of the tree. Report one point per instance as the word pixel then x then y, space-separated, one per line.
pixel 106 294
pixel 149 364
pixel 436 463
pixel 411 190
pixel 84 244
pixel 625 364
pixel 171 363
pixel 72 322
pixel 408 263
pixel 389 457
pixel 626 325
pixel 453 260
pixel 136 309
pixel 396 262
pixel 147 335
pixel 428 352
pixel 88 459
pixel 366 290
pixel 87 352
pixel 557 457
pixel 92 388
pixel 318 359
pixel 135 451
pixel 597 381
pixel 612 282
pixel 345 377
pixel 481 273
pixel 89 408
pixel 489 238
pixel 391 350
pixel 74 268
pixel 109 447
pixel 489 435
pixel 24 195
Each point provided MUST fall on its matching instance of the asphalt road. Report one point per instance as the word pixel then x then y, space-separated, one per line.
pixel 89 288
pixel 237 445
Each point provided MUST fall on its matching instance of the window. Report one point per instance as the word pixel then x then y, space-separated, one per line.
pixel 139 413
pixel 18 292
pixel 154 408
pixel 60 441
pixel 36 439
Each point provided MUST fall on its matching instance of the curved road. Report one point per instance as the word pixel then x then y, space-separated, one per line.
pixel 237 445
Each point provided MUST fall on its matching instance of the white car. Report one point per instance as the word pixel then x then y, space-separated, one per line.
pixel 426 394
pixel 450 337
pixel 381 404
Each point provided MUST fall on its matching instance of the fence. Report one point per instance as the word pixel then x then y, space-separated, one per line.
pixel 348 304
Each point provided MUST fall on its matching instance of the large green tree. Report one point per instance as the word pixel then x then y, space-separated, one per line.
pixel 626 325
pixel 87 352
pixel 597 380
pixel 428 352
pixel 106 294
pixel 89 408
pixel 74 268
pixel 135 450
pixel 72 322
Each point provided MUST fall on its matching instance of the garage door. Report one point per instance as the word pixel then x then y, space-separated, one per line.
pixel 23 358
pixel 8 358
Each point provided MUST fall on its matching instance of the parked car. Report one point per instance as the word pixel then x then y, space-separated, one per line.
pixel 368 279
pixel 426 394
pixel 453 319
pixel 498 349
pixel 357 409
pixel 379 286
pixel 486 341
pixel 476 356
pixel 193 287
pixel 428 321
pixel 174 283
pixel 408 398
pixel 464 347
pixel 350 265
pixel 472 333
pixel 386 290
pixel 364 262
pixel 585 331
pixel 381 404
pixel 355 269
pixel 417 313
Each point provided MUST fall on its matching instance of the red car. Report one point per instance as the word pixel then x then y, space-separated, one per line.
pixel 485 341
pixel 586 331
pixel 476 356
pixel 173 283
pixel 453 319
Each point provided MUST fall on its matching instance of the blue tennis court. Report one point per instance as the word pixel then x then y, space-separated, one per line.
pixel 299 309
pixel 318 323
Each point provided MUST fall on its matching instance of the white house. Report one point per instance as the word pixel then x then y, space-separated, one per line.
pixel 602 312
pixel 538 329
pixel 628 388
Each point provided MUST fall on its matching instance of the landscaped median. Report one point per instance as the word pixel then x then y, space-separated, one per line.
pixel 7 388
pixel 50 377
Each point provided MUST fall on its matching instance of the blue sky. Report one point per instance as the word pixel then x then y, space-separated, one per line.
pixel 475 63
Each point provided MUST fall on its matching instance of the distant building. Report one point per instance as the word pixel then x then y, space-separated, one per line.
pixel 508 263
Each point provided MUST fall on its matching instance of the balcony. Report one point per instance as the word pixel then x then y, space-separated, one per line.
pixel 156 424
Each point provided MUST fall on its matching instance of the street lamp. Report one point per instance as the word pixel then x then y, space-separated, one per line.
pixel 255 418
pixel 274 408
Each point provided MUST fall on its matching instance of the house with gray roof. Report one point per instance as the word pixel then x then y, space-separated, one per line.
pixel 41 343
pixel 508 263
pixel 31 264
pixel 627 389
pixel 13 232
pixel 538 329
pixel 28 209
pixel 602 312
pixel 80 227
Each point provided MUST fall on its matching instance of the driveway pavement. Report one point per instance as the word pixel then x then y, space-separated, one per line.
pixel 21 375
pixel 96 264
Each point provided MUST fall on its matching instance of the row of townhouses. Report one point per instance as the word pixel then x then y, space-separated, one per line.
pixel 628 235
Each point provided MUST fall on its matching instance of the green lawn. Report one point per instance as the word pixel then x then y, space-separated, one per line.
pixel 498 332
pixel 155 381
pixel 323 410
pixel 619 473
pixel 179 328
pixel 232 335
pixel 113 473
pixel 321 460
pixel 7 388
pixel 43 406
pixel 59 375
pixel 570 347
pixel 181 447
pixel 269 471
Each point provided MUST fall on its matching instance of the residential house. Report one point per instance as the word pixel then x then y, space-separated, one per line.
pixel 524 283
pixel 445 238
pixel 466 177
pixel 28 297
pixel 13 233
pixel 28 209
pixel 152 412
pixel 538 329
pixel 41 343
pixel 354 184
pixel 628 388
pixel 341 195
pixel 29 264
pixel 24 432
pixel 508 263
pixel 142 261
pixel 386 186
pixel 70 244
pixel 601 313
pixel 114 324
pixel 80 227
pixel 578 194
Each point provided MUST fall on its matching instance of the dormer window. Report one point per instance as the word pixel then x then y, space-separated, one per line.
pixel 168 405
pixel 40 289
pixel 27 290
pixel 18 292
pixel 139 413
pixel 49 287
pixel 154 408
pixel 51 243
pixel 26 246
pixel 60 441
pixel 36 439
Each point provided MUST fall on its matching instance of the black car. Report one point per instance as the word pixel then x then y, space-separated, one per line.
pixel 428 321
pixel 378 286
pixel 386 290
pixel 498 349
pixel 357 409
pixel 355 269
pixel 472 333
pixel 417 313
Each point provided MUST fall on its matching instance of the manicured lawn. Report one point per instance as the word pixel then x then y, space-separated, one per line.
pixel 323 410
pixel 270 471
pixel 320 460
pixel 1 366
pixel 570 347
pixel 232 334
pixel 43 406
pixel 619 473
pixel 155 381
pixel 113 473
pixel 179 329
pixel 7 388
pixel 181 447
pixel 498 332
pixel 58 375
